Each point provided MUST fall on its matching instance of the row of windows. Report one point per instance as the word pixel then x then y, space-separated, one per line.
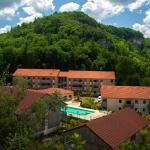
pixel 44 78
pixel 47 84
pixel 77 86
pixel 79 80
pixel 136 109
pixel 82 80
pixel 129 102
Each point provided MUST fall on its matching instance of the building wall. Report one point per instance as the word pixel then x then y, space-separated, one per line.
pixel 142 106
pixel 92 141
pixel 42 82
pixel 68 96
pixel 62 82
pixel 87 86
pixel 51 122
pixel 79 86
pixel 54 118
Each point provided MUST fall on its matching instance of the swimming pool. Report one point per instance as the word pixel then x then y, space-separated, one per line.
pixel 76 111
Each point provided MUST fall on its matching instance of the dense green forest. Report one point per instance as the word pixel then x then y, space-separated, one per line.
pixel 75 41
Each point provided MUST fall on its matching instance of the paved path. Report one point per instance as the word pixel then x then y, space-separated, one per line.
pixel 96 114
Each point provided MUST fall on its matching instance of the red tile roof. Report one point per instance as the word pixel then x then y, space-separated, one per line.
pixel 125 92
pixel 89 74
pixel 116 128
pixel 32 96
pixel 28 100
pixel 36 72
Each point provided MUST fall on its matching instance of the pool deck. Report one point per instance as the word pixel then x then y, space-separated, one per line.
pixel 96 114
pixel 73 103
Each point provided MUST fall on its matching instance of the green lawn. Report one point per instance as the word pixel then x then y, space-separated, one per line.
pixel 88 102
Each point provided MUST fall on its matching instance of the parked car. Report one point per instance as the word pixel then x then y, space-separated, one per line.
pixel 99 99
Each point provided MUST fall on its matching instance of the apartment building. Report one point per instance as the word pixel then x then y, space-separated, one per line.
pixel 118 97
pixel 81 82
pixel 39 78
pixel 86 82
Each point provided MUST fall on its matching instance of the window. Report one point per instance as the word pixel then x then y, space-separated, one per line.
pixel 128 102
pixel 143 109
pixel 144 102
pixel 119 108
pixel 112 81
pixel 135 109
pixel 136 102
pixel 120 101
pixel 104 100
pixel 95 86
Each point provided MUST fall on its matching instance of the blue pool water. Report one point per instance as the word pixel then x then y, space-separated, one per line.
pixel 76 111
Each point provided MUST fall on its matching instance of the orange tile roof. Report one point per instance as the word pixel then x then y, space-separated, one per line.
pixel 116 128
pixel 36 72
pixel 89 74
pixel 69 74
pixel 63 74
pixel 125 92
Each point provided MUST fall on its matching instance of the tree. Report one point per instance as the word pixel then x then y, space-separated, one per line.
pixel 146 81
pixel 73 40
pixel 4 75
pixel 144 145
pixel 17 130
pixel 77 142
pixel 19 141
pixel 130 146
pixel 125 71
pixel 20 86
pixel 8 119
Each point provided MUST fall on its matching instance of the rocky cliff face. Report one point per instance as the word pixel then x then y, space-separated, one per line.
pixel 138 41
pixel 105 43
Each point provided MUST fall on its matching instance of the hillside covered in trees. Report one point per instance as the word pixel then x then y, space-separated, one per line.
pixel 75 41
